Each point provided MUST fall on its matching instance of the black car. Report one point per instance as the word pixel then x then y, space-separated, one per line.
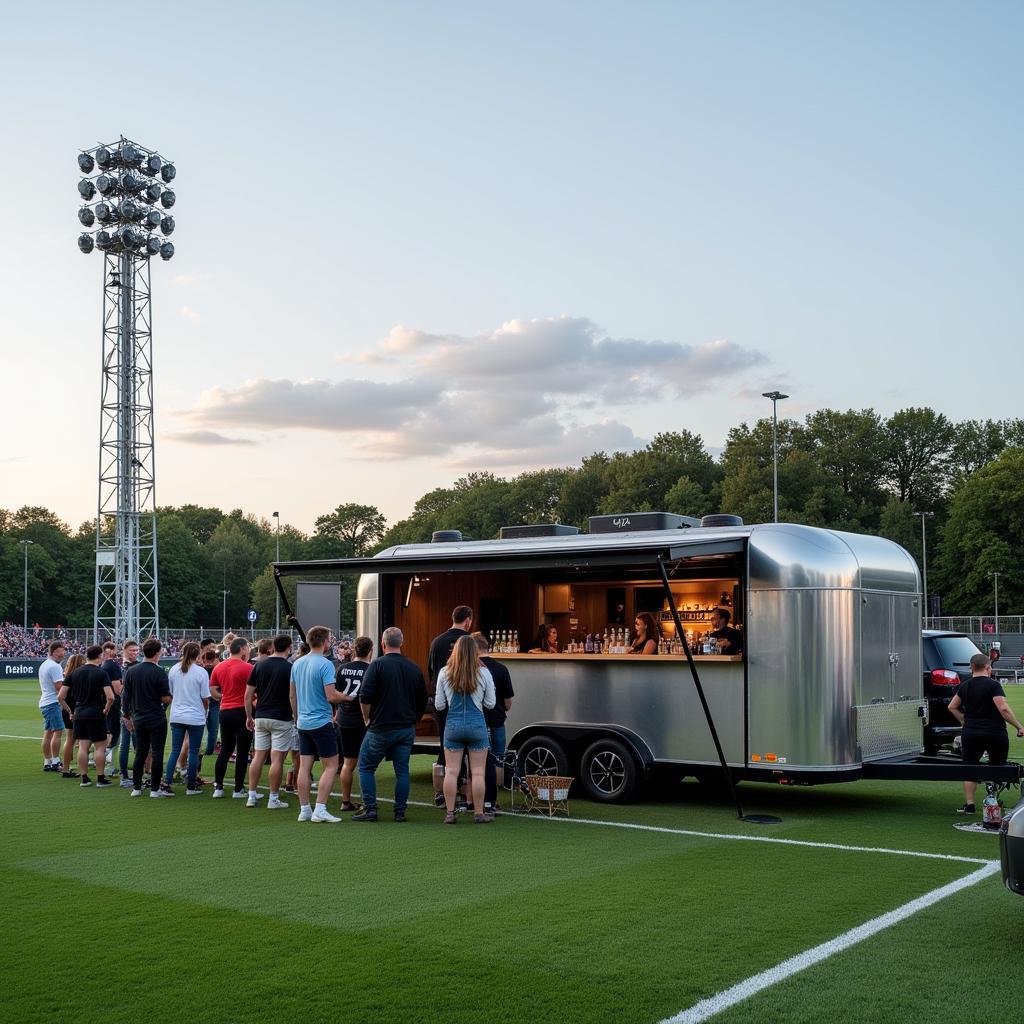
pixel 947 663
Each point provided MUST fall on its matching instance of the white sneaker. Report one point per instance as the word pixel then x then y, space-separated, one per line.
pixel 306 815
pixel 251 802
pixel 276 803
pixel 324 816
pixel 136 792
pixel 159 794
pixel 239 794
pixel 110 757
pixel 218 793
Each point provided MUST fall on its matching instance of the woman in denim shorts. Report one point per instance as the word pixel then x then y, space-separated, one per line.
pixel 465 688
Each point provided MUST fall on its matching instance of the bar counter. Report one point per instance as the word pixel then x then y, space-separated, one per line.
pixel 674 658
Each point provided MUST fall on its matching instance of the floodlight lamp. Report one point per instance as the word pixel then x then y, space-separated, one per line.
pixel 130 156
pixel 104 213
pixel 85 242
pixel 151 219
pixel 166 250
pixel 86 163
pixel 104 158
pixel 153 192
pixel 152 164
pixel 105 184
pixel 130 183
pixel 167 198
pixel 167 225
pixel 86 189
pixel 128 210
pixel 168 172
pixel 152 246
pixel 103 240
pixel 86 217
pixel 129 237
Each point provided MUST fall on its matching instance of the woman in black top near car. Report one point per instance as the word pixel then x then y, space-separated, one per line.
pixel 980 706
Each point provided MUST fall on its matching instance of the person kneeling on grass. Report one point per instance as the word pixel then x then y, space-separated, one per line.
pixel 392 698
pixel 312 692
pixel 465 688
pixel 93 699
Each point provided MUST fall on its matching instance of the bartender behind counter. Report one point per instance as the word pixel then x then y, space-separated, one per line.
pixel 546 640
pixel 647 635
pixel 730 639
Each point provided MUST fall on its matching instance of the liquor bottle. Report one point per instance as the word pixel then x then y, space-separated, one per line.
pixel 515 641
pixel 588 645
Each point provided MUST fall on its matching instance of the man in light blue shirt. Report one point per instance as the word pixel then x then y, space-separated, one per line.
pixel 312 694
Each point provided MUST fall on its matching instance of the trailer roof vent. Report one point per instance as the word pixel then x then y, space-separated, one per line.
pixel 446 537
pixel 722 519
pixel 537 530
pixel 628 522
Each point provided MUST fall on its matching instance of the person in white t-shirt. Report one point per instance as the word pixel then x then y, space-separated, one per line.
pixel 190 698
pixel 51 677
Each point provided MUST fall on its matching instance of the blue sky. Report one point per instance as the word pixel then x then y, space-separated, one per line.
pixel 416 239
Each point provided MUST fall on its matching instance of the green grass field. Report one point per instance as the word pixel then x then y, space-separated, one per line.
pixel 120 910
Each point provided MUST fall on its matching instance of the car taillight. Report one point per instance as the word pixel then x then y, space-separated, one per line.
pixel 943 677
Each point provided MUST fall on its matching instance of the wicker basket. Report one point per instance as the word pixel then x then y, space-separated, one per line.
pixel 548 793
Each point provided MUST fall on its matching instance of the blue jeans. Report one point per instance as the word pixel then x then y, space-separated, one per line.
pixel 378 744
pixel 497 740
pixel 125 743
pixel 212 725
pixel 195 741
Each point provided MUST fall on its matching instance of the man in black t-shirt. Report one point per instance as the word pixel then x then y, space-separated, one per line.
pixel 440 651
pixel 271 721
pixel 113 673
pixel 495 719
pixel 144 698
pixel 980 705
pixel 93 698
pixel 730 640
pixel 349 716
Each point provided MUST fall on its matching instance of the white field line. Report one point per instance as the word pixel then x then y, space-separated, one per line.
pixel 707 1008
pixel 8 736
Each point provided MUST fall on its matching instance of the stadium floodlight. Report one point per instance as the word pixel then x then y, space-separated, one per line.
pixel 130 231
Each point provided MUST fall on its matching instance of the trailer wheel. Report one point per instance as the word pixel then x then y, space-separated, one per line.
pixel 543 755
pixel 608 771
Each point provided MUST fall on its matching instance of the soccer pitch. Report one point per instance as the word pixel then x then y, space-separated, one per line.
pixel 207 911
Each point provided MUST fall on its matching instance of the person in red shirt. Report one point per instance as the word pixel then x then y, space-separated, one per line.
pixel 231 677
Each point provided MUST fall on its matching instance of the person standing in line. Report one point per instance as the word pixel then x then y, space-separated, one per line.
pixel 190 698
pixel 465 688
pixel 51 676
pixel 67 753
pixel 93 700
pixel 208 658
pixel 231 677
pixel 349 716
pixel 440 651
pixel 126 741
pixel 392 698
pixel 979 704
pixel 312 692
pixel 113 673
pixel 495 719
pixel 264 648
pixel 224 647
pixel 272 722
pixel 144 700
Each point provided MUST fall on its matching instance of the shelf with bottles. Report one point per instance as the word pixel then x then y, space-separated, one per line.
pixel 686 616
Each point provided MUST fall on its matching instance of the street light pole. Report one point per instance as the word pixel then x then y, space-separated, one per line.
pixel 277 558
pixel 224 613
pixel 26 544
pixel 995 578
pixel 776 397
pixel 924 565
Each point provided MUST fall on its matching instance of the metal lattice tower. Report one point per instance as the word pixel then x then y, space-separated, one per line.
pixel 131 180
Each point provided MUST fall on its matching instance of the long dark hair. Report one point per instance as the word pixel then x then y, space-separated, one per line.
pixel 651 629
pixel 541 639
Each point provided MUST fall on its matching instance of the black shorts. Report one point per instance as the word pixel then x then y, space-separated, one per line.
pixel 114 719
pixel 351 739
pixel 68 724
pixel 322 741
pixel 973 745
pixel 93 729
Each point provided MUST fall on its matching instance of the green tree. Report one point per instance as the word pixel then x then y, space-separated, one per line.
pixel 354 529
pixel 917 443
pixel 183 577
pixel 583 490
pixel 200 521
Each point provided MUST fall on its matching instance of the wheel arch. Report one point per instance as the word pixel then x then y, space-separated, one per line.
pixel 579 735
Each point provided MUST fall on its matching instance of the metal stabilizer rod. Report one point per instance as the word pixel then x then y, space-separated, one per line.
pixel 681 633
pixel 288 616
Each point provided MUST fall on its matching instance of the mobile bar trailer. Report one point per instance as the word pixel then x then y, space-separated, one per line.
pixel 828 687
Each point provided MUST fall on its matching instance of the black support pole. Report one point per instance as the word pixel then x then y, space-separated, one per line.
pixel 288 616
pixel 726 771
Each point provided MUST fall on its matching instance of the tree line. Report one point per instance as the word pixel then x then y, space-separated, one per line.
pixel 852 470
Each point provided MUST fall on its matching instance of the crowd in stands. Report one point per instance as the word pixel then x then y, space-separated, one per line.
pixel 34 642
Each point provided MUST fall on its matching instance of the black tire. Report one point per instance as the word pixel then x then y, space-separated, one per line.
pixel 608 771
pixel 931 748
pixel 543 755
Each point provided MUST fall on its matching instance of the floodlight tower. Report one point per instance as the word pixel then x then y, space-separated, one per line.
pixel 126 225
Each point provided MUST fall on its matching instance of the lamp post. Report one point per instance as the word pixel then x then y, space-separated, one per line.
pixel 224 595
pixel 277 558
pixel 994 576
pixel 924 565
pixel 776 397
pixel 26 544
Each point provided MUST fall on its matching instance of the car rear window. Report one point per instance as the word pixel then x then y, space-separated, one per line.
pixel 955 650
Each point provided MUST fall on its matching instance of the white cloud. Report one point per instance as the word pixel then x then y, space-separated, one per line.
pixel 531 392
pixel 205 437
pixel 188 312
